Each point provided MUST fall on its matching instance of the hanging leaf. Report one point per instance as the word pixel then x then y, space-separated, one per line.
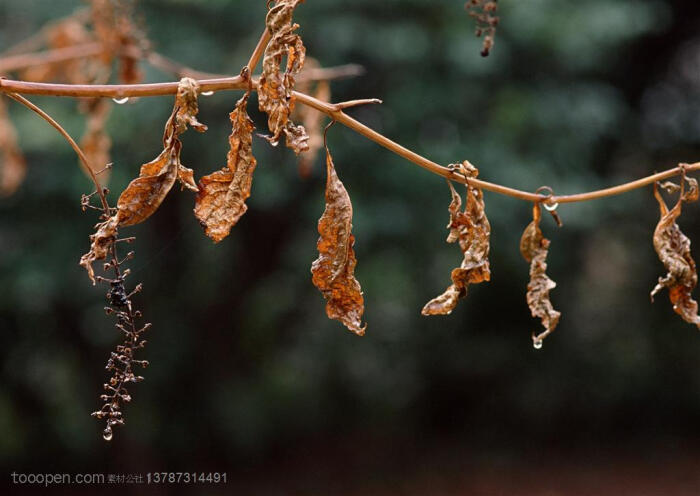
pixel 13 168
pixel 143 195
pixel 534 248
pixel 673 249
pixel 101 242
pixel 222 195
pixel 311 118
pixel 472 230
pixel 333 271
pixel 275 88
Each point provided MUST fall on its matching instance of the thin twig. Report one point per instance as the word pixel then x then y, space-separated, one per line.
pixel 83 159
pixel 259 50
pixel 54 56
pixel 356 103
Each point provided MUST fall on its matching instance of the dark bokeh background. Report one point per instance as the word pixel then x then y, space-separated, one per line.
pixel 248 376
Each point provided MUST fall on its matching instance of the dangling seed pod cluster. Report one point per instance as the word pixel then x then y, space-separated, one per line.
pixel 220 196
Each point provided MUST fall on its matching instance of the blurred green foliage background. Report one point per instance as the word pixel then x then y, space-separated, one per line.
pixel 247 374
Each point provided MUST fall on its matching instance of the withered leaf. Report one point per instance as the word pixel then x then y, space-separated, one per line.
pixel 13 167
pixel 222 195
pixel 275 88
pixel 534 248
pixel 310 118
pixel 333 271
pixel 143 195
pixel 673 249
pixel 101 242
pixel 472 230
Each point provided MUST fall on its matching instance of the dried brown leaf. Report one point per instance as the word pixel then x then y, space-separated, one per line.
pixel 13 167
pixel 534 248
pixel 472 230
pixel 222 195
pixel 333 271
pixel 101 242
pixel 673 249
pixel 144 195
pixel 275 88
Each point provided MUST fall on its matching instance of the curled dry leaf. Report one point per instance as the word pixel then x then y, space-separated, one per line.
pixel 673 249
pixel 333 272
pixel 472 230
pixel 101 242
pixel 143 195
pixel 222 195
pixel 275 88
pixel 13 168
pixel 95 142
pixel 311 119
pixel 534 248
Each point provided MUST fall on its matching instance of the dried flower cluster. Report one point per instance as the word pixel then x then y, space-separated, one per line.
pixel 121 363
pixel 484 12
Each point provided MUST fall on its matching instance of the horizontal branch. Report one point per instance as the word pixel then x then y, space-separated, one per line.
pixel 238 83
pixel 54 56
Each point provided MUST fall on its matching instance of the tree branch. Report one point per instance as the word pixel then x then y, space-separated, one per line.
pixel 54 56
pixel 238 83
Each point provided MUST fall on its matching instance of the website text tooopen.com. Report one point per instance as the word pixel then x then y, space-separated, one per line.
pixel 55 479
